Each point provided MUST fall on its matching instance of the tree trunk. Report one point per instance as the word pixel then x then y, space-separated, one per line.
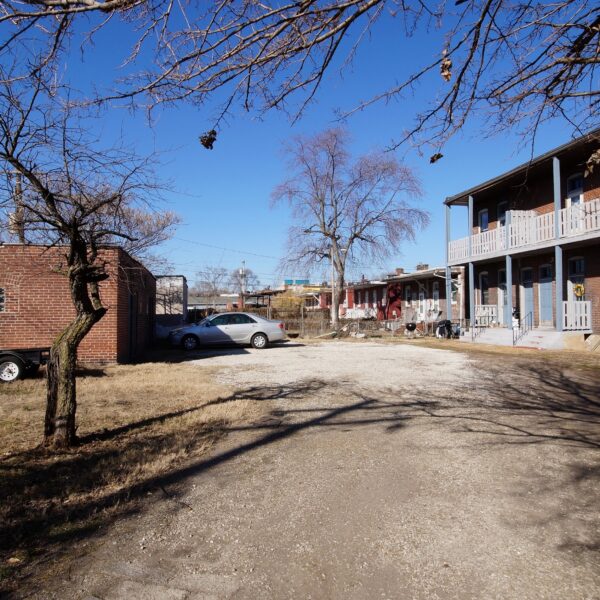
pixel 336 301
pixel 61 402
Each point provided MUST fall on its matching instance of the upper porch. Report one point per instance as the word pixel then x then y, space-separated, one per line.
pixel 529 230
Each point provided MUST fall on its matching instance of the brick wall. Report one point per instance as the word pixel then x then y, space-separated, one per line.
pixel 38 304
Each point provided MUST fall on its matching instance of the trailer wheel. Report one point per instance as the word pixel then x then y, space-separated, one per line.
pixel 11 369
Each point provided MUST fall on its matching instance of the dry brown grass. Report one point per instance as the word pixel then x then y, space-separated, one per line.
pixel 136 424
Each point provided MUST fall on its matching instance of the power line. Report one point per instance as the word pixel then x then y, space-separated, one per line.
pixel 245 252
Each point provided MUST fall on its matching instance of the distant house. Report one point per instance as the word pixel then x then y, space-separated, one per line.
pixel 533 249
pixel 216 303
pixel 35 303
pixel 408 297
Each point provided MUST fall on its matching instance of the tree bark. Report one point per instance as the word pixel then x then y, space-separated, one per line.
pixel 336 301
pixel 61 402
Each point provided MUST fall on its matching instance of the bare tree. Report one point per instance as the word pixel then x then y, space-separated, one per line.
pixel 522 62
pixel 211 282
pixel 346 209
pixel 243 280
pixel 77 199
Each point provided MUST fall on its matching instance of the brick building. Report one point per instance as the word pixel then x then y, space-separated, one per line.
pixel 418 297
pixel 534 243
pixel 35 303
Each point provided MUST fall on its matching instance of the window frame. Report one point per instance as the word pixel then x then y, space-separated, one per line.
pixel 483 211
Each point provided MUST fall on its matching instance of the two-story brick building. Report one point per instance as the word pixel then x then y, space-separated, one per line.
pixel 35 303
pixel 534 243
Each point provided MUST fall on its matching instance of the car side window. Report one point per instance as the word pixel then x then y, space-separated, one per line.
pixel 244 319
pixel 221 320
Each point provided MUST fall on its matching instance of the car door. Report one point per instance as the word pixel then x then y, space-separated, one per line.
pixel 215 331
pixel 241 328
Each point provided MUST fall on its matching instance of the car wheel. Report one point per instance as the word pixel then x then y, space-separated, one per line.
pixel 11 369
pixel 190 342
pixel 259 341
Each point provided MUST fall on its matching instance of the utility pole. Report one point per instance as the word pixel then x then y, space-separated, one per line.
pixel 242 273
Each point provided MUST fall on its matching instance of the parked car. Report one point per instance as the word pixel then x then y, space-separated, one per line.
pixel 229 328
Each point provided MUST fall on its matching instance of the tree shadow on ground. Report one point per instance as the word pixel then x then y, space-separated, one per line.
pixel 166 354
pixel 52 500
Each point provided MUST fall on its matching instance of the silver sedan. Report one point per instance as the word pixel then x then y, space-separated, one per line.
pixel 229 328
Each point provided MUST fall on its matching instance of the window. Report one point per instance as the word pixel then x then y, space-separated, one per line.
pixel 576 267
pixel 575 187
pixel 483 220
pixel 454 293
pixel 240 320
pixel 546 272
pixel 502 206
pixel 436 296
pixel 2 300
pixel 407 295
pixel 367 298
pixel 484 288
pixel 221 320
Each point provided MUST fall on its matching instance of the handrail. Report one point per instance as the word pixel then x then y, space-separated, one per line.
pixel 481 322
pixel 525 325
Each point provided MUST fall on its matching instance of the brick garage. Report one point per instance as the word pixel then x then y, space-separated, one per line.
pixel 36 303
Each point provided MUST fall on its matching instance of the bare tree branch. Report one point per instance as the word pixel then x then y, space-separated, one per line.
pixel 346 210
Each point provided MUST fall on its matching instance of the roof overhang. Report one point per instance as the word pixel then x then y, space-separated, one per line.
pixel 462 199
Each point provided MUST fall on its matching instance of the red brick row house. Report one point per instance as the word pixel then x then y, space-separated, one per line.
pixel 409 297
pixel 534 243
pixel 35 304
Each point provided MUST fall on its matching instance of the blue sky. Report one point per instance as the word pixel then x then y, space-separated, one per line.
pixel 223 195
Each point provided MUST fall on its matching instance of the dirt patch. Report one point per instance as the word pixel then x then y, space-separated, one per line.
pixel 376 471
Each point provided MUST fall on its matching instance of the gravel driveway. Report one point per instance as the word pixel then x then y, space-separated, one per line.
pixel 381 471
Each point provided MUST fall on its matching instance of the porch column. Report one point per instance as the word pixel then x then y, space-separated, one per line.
pixel 557 195
pixel 470 228
pixel 509 290
pixel 471 296
pixel 558 279
pixel 448 269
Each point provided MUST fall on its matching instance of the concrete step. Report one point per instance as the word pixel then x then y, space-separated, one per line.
pixel 546 339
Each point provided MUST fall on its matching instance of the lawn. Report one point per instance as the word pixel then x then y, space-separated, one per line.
pixel 136 422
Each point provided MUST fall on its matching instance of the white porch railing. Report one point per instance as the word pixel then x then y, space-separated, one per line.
pixel 486 314
pixel 487 242
pixel 528 228
pixel 577 316
pixel 361 313
pixel 458 249
pixel 580 218
pixel 532 230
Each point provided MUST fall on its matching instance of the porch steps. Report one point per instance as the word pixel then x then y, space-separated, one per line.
pixel 544 339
